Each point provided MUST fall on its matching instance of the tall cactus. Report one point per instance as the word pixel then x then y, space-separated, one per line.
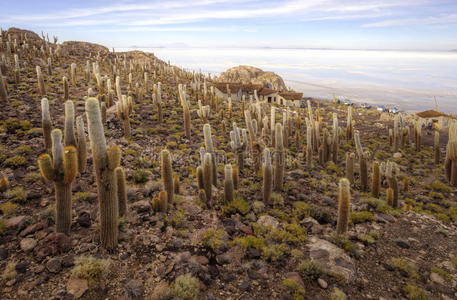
pixel 451 155
pixel 436 148
pixel 349 128
pixel 185 107
pixel 267 177
pixel 46 123
pixel 350 167
pixel 66 95
pixel 375 180
pixel 73 73
pixel 69 133
pixel 207 177
pixel 167 174
pixel 362 162
pixel 210 148
pixel 279 158
pixel 392 181
pixel 309 146
pixel 121 191
pixel 344 202
pixel 229 193
pixel 123 112
pixel 237 146
pixel 3 90
pixel 105 162
pixel 40 79
pixel 62 169
pixel 418 136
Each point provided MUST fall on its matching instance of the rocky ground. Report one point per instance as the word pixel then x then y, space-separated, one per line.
pixel 241 250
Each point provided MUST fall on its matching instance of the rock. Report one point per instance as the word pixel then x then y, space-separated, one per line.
pixel 268 221
pixel 331 257
pixel 134 289
pixel 54 243
pixel 33 228
pixel 16 222
pixel 27 244
pixel 77 287
pixel 141 206
pixel 3 253
pixel 437 278
pixel 84 219
pixel 68 261
pixel 402 243
pixel 245 286
pixel 322 283
pixel 249 74
pixel 223 259
pixel 295 277
pixel 161 291
pixel 203 260
pixel 21 267
pixel 397 155
pixel 54 265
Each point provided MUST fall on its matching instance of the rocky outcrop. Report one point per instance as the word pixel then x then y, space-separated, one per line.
pixel 83 48
pixel 249 74
pixel 17 32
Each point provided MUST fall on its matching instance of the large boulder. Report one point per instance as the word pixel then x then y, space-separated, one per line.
pixel 249 74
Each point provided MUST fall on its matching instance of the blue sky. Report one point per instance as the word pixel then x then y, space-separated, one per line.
pixel 352 24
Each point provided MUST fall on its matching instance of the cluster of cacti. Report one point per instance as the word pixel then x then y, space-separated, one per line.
pixel 62 169
pixel 3 89
pixel 344 202
pixel 418 136
pixel 451 155
pixel 237 145
pixel 105 161
pixel 157 99
pixel 203 111
pixel 124 107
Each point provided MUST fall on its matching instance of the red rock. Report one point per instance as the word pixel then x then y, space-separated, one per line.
pixel 33 228
pixel 202 260
pixel 16 222
pixel 54 243
pixel 246 229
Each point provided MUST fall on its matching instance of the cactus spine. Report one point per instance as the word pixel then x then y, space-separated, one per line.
pixel 375 180
pixel 41 85
pixel 344 201
pixel 121 191
pixel 46 123
pixel 228 184
pixel 267 177
pixel 105 162
pixel 167 174
pixel 62 169
pixel 279 158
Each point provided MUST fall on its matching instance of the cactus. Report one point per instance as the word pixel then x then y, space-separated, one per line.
pixel 391 138
pixel 344 202
pixel 362 161
pixel 73 73
pixel 65 88
pixel 272 124
pixel 267 177
pixel 167 174
pixel 46 123
pixel 105 162
pixel 451 155
pixel 406 183
pixel 62 169
pixel 200 177
pixel 396 134
pixel 69 134
pixel 279 158
pixel 203 112
pixel 393 183
pixel 210 148
pixel 207 177
pixel 375 180
pixel 349 128
pixel 160 204
pixel 103 111
pixel 236 177
pixel 350 167
pixel 49 66
pixel 176 184
pixel 390 196
pixel 237 146
pixel 418 136
pixel 186 112
pixel 309 146
pixel 123 112
pixel 3 90
pixel 40 79
pixel 228 184
pixel 436 148
pixel 121 191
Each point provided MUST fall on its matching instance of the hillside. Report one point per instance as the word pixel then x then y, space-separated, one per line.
pixel 249 74
pixel 158 199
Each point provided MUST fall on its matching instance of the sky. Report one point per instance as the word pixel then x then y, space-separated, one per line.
pixel 336 24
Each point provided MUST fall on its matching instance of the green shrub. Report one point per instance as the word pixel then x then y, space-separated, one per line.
pixel 186 287
pixel 15 161
pixel 361 217
pixel 413 292
pixel 90 268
